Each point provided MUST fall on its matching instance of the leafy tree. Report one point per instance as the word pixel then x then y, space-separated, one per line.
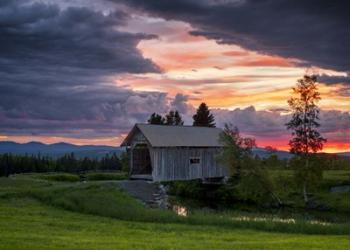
pixel 173 118
pixel 251 179
pixel 256 183
pixel 308 172
pixel 203 117
pixel 235 148
pixel 306 140
pixel 272 161
pixel 156 119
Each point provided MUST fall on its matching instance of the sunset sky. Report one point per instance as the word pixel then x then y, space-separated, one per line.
pixel 85 71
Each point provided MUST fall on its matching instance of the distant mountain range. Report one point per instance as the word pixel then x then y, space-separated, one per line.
pixel 57 149
pixel 91 151
pixel 344 154
pixel 263 153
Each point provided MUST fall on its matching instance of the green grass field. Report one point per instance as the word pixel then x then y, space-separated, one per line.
pixel 337 202
pixel 38 213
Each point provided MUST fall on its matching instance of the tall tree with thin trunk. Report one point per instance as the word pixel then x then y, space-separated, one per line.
pixel 306 139
pixel 203 117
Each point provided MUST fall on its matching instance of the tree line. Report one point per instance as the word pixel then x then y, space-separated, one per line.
pixel 249 174
pixel 14 164
pixel 202 118
pixel 250 177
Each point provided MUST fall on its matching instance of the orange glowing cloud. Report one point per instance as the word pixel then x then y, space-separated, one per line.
pixel 204 54
pixel 175 48
pixel 263 61
pixel 223 76
pixel 236 53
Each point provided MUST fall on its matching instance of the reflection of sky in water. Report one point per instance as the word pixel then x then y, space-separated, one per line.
pixel 287 221
pixel 180 210
pixel 185 211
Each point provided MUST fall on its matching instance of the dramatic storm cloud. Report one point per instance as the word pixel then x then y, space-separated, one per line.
pixel 85 71
pixel 316 32
pixel 271 124
pixel 55 69
pixel 40 35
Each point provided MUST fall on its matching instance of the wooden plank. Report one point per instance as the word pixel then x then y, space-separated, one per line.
pixel 173 163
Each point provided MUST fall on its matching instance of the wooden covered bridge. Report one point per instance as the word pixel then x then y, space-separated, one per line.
pixel 165 153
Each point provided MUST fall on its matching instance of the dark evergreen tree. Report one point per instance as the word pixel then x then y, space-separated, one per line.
pixel 178 119
pixel 170 118
pixel 173 118
pixel 203 117
pixel 156 119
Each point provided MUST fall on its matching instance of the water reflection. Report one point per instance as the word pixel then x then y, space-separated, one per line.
pixel 184 211
pixel 185 207
pixel 180 210
pixel 274 219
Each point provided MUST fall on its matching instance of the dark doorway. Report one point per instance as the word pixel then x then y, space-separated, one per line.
pixel 141 161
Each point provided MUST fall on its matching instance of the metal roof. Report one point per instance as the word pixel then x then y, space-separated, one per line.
pixel 176 136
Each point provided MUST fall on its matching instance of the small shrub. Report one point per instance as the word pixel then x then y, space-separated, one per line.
pixel 188 189
pixel 106 176
pixel 60 177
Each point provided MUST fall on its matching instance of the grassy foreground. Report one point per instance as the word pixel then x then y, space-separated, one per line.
pixel 40 214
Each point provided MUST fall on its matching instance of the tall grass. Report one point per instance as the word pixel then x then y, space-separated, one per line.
pixel 63 177
pixel 105 199
pixel 106 176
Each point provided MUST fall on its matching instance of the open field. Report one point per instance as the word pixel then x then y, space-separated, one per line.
pixel 42 214
pixel 337 202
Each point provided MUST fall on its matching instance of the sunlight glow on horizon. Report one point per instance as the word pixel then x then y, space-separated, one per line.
pixel 279 143
pixel 223 76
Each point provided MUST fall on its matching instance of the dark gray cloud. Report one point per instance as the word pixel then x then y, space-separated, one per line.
pixel 253 122
pixel 56 65
pixel 316 31
pixel 39 35
pixel 180 103
pixel 345 80
pixel 270 125
pixel 56 69
pixel 98 111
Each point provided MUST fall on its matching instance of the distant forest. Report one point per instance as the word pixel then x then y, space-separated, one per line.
pixel 69 163
pixel 14 164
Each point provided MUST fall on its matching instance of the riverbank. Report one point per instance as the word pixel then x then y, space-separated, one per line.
pixel 106 199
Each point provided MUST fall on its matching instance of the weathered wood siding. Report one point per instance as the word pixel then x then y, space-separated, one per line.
pixel 173 163
pixel 138 138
